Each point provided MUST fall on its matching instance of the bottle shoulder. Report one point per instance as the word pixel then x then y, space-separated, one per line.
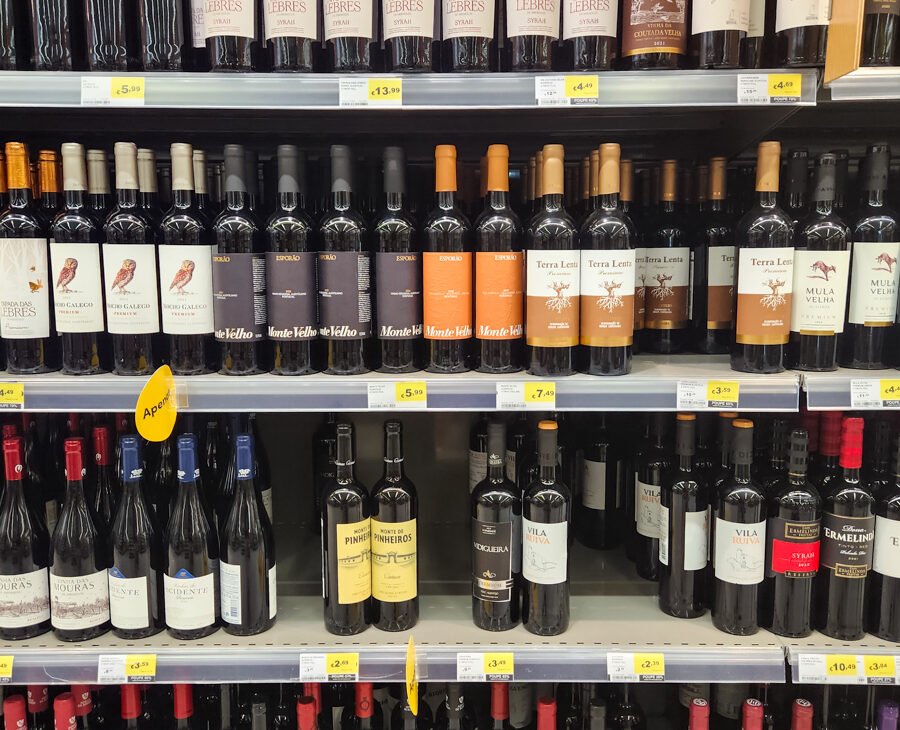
pixel 765 227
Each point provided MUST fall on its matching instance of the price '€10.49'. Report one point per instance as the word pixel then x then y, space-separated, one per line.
pixel 846 669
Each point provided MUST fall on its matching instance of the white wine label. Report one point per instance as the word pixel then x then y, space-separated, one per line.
pixel 24 288
pixel 696 540
pixel 720 289
pixel 873 283
pixel 26 599
pixel 230 592
pixel 291 18
pixel 132 292
pixel 198 26
pixel 532 17
pixel 710 15
pixel 345 18
pixel 545 552
pixel 79 602
pixel 273 592
pixel 668 279
pixel 887 547
pixel 468 18
pixel 757 26
pixel 765 287
pixel 231 18
pixel 593 495
pixel 799 13
pixel 820 291
pixel 740 552
pixel 647 509
pixel 129 601
pixel 190 602
pixel 663 535
pixel 78 287
pixel 408 18
pixel 185 274
pixel 477 468
pixel 590 18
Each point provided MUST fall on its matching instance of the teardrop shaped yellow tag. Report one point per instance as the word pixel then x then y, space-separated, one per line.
pixel 412 678
pixel 156 410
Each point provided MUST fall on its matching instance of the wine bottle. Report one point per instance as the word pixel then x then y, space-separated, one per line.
pixel 552 276
pixel 48 170
pixel 884 582
pixel 324 448
pixel 201 185
pixel 38 706
pixel 26 314
pixel 801 32
pixel 351 35
pixel 408 31
pixel 589 32
pixel 79 591
pixel 102 481
pixel 546 513
pixel 364 713
pixel 291 32
pixel 874 276
pixel 773 473
pixel 191 578
pixel 796 186
pixel 848 534
pixel 15 46
pixel 402 717
pixel 683 528
pixel 764 277
pixel 64 716
pixel 345 309
pixel 654 37
pixel 185 274
pixel 755 50
pixel 532 35
pixel 740 540
pixel 58 35
pixel 469 32
pixel 307 713
pixel 112 34
pixel 699 714
pixel 881 28
pixel 99 197
pixel 163 45
pixel 718 29
pixel 821 274
pixel 398 277
pixel 346 543
pixel 231 37
pixel 239 275
pixel 888 714
pixel 652 464
pixel 129 273
pixel 148 187
pixel 628 714
pixel 447 273
pixel 598 510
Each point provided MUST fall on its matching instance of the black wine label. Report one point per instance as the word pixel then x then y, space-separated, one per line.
pixel 345 295
pixel 239 296
pixel 492 552
pixel 793 548
pixel 398 287
pixel 886 7
pixel 847 544
pixel 291 281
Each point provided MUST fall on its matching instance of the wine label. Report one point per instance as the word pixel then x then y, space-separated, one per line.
pixel 668 277
pixel 492 560
pixel 654 27
pixel 348 18
pixel 78 291
pixel 185 274
pixel 477 468
pixel 687 692
pixel 847 544
pixel 820 291
pixel 607 298
pixel 395 568
pixel 198 24
pixel 229 18
pixel 545 551
pixel 447 283
pixel 552 287
pixel 532 17
pixel 129 600
pixel 467 18
pixel 291 19
pixel 510 465
pixel 354 561
pixel 720 287
pixel 765 286
pixel 408 18
pixel 740 553
pixel 521 704
pixel 398 287
pixel 593 495
pixel 590 18
pixel 696 538
pixel 873 283
pixel 730 698
pixel 663 552
pixel 345 295
pixel 640 289
pixel 24 288
pixel 800 13
pixel 273 592
pixel 239 296
pixel 793 548
pixel 230 592
pixel 710 15
pixel 887 547
pixel 882 7
pixel 190 601
pixel 266 497
pixel 79 602
pixel 757 26
pixel 291 295
pixel 132 290
pixel 646 508
pixel 26 599
pixel 498 295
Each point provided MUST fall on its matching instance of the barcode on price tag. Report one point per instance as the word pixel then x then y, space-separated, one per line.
pixel 769 88
pixel 575 90
pixel 636 667
pixel 846 669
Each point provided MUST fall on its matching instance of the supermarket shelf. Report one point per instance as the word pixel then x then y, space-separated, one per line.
pixel 831 391
pixel 652 386
pixel 819 644
pixel 694 650
pixel 867 84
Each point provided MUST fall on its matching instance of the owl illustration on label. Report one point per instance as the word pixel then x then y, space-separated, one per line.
pixel 183 276
pixel 124 277
pixel 66 275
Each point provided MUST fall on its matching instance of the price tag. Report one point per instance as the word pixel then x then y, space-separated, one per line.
pixel 576 90
pixel 370 92
pixel 125 668
pixel 6 669
pixel 880 669
pixel 769 88
pixel 12 396
pixel 405 394
pixel 723 394
pixel 870 393
pixel 539 395
pixel 785 88
pixel 840 665
pixel 640 667
pixel 386 92
pixel 113 90
pixel 342 667
pixel 485 667
pixel 846 669
pixel 699 395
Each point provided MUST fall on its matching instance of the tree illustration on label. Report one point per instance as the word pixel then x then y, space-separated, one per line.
pixel 662 290
pixel 657 11
pixel 67 275
pixel 821 270
pixel 887 262
pixel 611 300
pixel 561 301
pixel 776 298
pixel 124 277
pixel 183 276
pixel 642 291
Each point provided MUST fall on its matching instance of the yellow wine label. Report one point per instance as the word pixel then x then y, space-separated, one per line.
pixel 354 561
pixel 394 561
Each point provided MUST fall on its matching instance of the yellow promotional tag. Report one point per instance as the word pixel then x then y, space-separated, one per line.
pixel 840 665
pixel 342 666
pixel 140 667
pixel 412 392
pixel 790 85
pixel 382 91
pixel 890 389
pixel 412 678
pixel 880 666
pixel 544 392
pixel 581 87
pixel 499 667
pixel 12 396
pixel 6 667
pixel 723 393
pixel 155 412
pixel 650 665
pixel 126 87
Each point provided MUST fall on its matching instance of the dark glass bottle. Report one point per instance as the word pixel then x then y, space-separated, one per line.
pixel 598 510
pixel 408 33
pixel 756 45
pixel 801 32
pixel 532 35
pixel 765 255
pixel 38 707
pixel 792 547
pixel 841 183
pixel 398 274
pixel 344 275
pixel 773 472
pixel 821 275
pixel 64 714
pixel 881 29
pixel 183 706
pixel 589 33
pixel 796 186
pixel 718 29
pixel 683 528
pixel 48 170
pixel 79 590
pixel 324 449
pixel 627 714
pixel 291 33
pixel 129 263
pixel 99 195
pixel 29 332
pixel 883 619
pixel 112 34
pixel 103 484
pixel 827 465
pixel 654 37
pixel 346 542
pixel 163 44
pixel 402 717
pixel 351 36
pixel 201 185
pixel 148 187
pixel 364 713
pixel 740 540
pixel 654 461
pixel 15 44
pixel 231 37
pixel 469 36
pixel 58 34
pixel 546 514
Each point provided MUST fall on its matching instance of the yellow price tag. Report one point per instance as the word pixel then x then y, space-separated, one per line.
pixel 582 87
pixel 140 667
pixel 723 393
pixel 840 665
pixel 499 665
pixel 412 392
pixel 890 389
pixel 880 666
pixel 6 668
pixel 649 664
pixel 543 392
pixel 12 396
pixel 412 678
pixel 343 665
pixel 786 85
pixel 386 91
pixel 126 87
pixel 156 410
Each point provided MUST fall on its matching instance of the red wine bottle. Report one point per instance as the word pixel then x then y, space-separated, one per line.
pixel 652 464
pixel 104 482
pixel 131 709
pixel 828 466
pixel 718 29
pixel 365 713
pixel 881 29
pixel 291 33
pixel 39 715
pixel 884 581
pixel 231 36
pixel 752 714
pixel 184 706
pixel 599 509
pixel 801 32
pixel 802 715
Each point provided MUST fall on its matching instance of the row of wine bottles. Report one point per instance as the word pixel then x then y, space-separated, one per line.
pixel 295 36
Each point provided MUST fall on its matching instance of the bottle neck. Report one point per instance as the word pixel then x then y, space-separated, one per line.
pixel 872 198
pixel 796 199
pixel 74 491
pixel 237 200
pixel 341 200
pixel 74 200
pixel 742 472
pixel 446 199
pixel 716 205
pixel 288 201
pixel 552 202
pixel 548 471
pixel 851 474
pixel 685 462
pixel 127 197
pixel 824 207
pixel 183 198
pixel 20 197
pixel 393 457
pixel 766 199
pixel 148 199
pixel 609 201
pixel 497 199
pixel 394 201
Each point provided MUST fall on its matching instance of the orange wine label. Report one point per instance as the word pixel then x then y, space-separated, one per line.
pixel 667 285
pixel 765 286
pixel 498 295
pixel 552 285
pixel 720 288
pixel 607 298
pixel 447 287
pixel 640 276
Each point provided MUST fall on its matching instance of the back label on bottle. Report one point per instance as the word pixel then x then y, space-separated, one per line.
pixel 757 26
pixel 668 278
pixel 553 288
pixel 129 601
pixel 712 15
pixel 398 288
pixel 477 468
pixel 720 287
pixel 348 18
pixel 273 591
pixel 882 7
pixel 820 291
pixel 26 599
pixel 345 295
pixel 874 278
pixel 132 290
pixel 696 540
pixel 765 286
pixel 79 602
pixel 190 602
pixel 229 18
pixel 545 551
pixel 408 18
pixel 230 592
pixel 590 18
pixel 607 298
pixel 394 561
pixel 198 26
pixel 793 549
pixel 24 288
pixel 291 295
pixel 532 17
pixel 593 495
pixel 492 553
pixel 740 553
pixel 447 283
pixel 847 545
pixel 78 288
pixel 185 274
pixel 354 561
pixel 291 19
pixel 654 27
pixel 801 13
pixel 498 295
pixel 468 18
pixel 239 296
pixel 887 547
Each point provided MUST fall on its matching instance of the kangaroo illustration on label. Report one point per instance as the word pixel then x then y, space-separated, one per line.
pixel 884 262
pixel 821 270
